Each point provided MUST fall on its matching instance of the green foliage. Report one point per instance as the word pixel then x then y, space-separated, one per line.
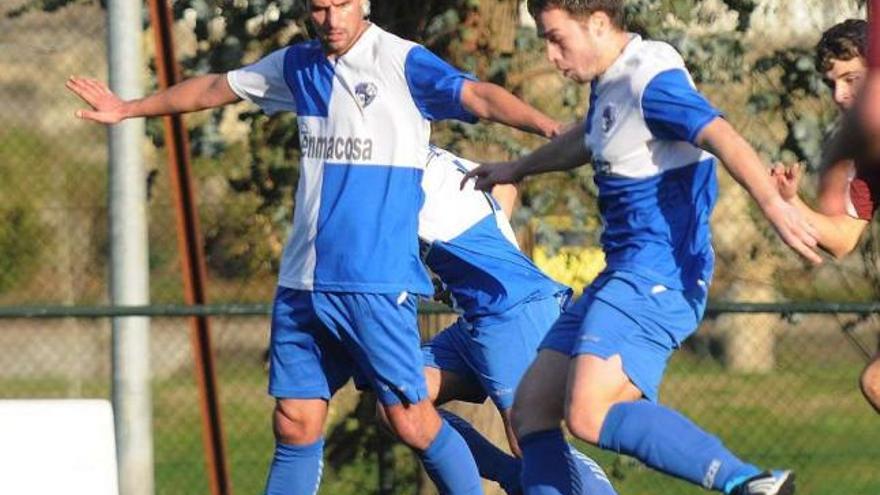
pixel 712 56
pixel 795 80
pixel 246 220
pixel 352 449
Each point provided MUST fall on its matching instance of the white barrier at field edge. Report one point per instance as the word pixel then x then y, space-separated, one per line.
pixel 50 447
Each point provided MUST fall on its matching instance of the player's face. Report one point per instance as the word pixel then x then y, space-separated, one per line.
pixel 845 79
pixel 339 23
pixel 574 44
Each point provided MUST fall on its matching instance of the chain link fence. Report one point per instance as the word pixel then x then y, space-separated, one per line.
pixel 781 391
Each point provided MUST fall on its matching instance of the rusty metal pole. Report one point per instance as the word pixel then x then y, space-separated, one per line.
pixel 189 241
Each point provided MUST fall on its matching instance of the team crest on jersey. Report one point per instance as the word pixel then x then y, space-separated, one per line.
pixel 366 93
pixel 609 117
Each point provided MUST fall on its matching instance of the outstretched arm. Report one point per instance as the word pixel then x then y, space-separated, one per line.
pixel 565 152
pixel 836 233
pixel 198 93
pixel 492 102
pixel 740 159
pixel 833 185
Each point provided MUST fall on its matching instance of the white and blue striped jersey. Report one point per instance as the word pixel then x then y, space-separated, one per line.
pixel 467 241
pixel 364 124
pixel 656 188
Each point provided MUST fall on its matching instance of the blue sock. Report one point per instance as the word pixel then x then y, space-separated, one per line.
pixel 553 467
pixel 296 469
pixel 493 463
pixel 450 464
pixel 594 481
pixel 669 442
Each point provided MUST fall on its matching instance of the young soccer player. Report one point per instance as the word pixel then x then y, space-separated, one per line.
pixel 600 366
pixel 869 107
pixel 351 272
pixel 860 133
pixel 841 59
pixel 849 189
pixel 506 303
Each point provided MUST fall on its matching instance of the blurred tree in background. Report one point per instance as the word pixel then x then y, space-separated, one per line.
pixel 247 163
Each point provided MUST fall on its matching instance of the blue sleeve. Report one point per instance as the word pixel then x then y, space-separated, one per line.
pixel 435 86
pixel 673 109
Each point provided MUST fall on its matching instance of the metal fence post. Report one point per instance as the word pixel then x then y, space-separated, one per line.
pixel 129 271
pixel 192 254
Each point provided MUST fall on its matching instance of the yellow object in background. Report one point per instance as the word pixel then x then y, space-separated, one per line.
pixel 573 266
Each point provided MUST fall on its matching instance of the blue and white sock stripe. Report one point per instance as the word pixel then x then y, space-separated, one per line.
pixel 593 466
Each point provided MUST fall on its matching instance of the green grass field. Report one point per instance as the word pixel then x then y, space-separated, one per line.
pixel 808 416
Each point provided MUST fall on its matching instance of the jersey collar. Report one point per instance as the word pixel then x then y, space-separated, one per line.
pixel 621 62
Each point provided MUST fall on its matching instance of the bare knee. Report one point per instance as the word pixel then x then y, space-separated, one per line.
pixel 540 396
pixel 870 383
pixel 299 422
pixel 585 422
pixel 416 425
pixel 534 410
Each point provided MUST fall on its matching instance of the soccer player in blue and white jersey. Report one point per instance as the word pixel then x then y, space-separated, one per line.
pixel 351 272
pixel 600 366
pixel 506 303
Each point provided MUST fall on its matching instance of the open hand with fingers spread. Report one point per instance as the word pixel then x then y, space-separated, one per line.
pixel 107 108
pixel 488 175
pixel 787 179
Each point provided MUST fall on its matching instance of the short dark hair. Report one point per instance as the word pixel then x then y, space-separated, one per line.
pixel 844 41
pixel 614 8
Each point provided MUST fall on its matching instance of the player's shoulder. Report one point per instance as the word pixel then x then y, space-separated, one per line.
pixel 660 53
pixel 389 44
pixel 302 53
pixel 304 46
pixel 651 58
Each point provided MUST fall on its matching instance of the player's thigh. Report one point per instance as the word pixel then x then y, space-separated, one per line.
pixel 446 386
pixel 448 372
pixel 306 361
pixel 500 348
pixel 512 442
pixel 638 323
pixel 595 384
pixel 540 397
pixel 380 334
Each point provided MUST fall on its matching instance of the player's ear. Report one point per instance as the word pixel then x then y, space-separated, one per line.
pixel 599 22
pixel 365 8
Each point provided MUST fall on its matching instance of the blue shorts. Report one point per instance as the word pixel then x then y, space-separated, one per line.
pixel 322 339
pixel 626 314
pixel 494 352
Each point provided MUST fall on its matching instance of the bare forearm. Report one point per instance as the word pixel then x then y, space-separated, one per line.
pixel 564 152
pixel 740 160
pixel 492 102
pixel 836 234
pixel 191 95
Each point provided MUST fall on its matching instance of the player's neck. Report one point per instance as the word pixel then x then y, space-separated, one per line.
pixel 335 55
pixel 617 44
